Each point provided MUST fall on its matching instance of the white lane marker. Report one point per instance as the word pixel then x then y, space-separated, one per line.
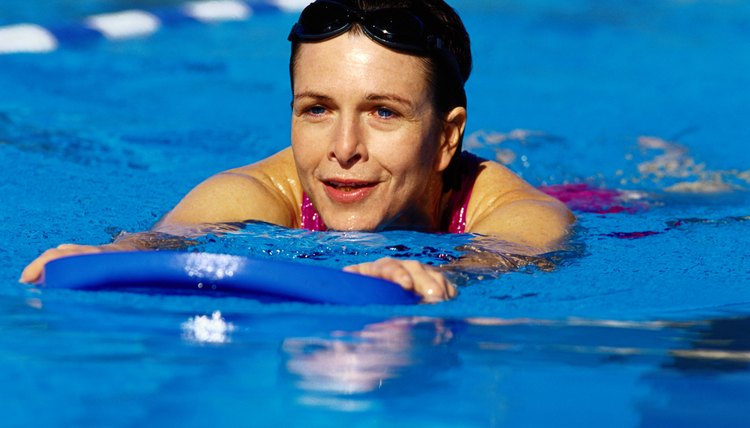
pixel 291 5
pixel 124 25
pixel 26 38
pixel 217 10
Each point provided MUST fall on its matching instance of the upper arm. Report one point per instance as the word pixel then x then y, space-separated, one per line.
pixel 262 192
pixel 506 206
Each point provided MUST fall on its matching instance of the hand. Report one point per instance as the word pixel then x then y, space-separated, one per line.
pixel 33 272
pixel 424 280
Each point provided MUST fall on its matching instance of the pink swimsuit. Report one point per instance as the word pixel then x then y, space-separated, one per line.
pixel 457 205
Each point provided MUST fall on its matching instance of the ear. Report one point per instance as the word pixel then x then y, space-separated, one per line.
pixel 450 137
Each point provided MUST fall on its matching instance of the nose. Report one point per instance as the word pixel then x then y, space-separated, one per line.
pixel 347 144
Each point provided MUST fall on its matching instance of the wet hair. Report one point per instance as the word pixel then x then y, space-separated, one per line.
pixel 446 76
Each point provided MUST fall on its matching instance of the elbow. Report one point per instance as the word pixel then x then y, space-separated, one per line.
pixel 554 230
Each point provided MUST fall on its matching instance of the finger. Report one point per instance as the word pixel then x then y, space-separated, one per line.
pixel 352 269
pixel 426 281
pixel 76 247
pixel 450 288
pixel 385 268
pixel 430 287
pixel 33 272
pixel 73 249
pixel 394 270
pixel 431 284
pixel 412 273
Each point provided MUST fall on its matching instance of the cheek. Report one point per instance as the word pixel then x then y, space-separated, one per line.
pixel 417 155
pixel 411 162
pixel 304 152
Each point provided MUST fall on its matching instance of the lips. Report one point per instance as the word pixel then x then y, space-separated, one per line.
pixel 348 191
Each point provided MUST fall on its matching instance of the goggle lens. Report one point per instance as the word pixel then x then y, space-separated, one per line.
pixel 398 28
pixel 321 20
pixel 394 26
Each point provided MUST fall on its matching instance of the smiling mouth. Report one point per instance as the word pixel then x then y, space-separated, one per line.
pixel 348 186
pixel 348 191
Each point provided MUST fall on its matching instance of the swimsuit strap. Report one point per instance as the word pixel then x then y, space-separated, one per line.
pixel 311 219
pixel 455 221
pixel 458 203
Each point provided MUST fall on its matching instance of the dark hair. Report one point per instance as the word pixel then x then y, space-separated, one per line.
pixel 447 69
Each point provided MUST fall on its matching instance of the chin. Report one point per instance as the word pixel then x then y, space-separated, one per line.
pixel 351 225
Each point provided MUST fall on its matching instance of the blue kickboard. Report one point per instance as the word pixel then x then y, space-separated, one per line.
pixel 168 272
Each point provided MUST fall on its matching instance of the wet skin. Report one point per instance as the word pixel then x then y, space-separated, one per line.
pixel 368 147
pixel 367 141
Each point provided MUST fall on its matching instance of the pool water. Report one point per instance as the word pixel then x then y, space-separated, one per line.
pixel 634 114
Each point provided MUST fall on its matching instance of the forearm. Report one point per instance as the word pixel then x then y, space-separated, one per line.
pixel 150 240
pixel 490 257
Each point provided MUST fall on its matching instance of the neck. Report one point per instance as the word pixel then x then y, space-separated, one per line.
pixel 427 214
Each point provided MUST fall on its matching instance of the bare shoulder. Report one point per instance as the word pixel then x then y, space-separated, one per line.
pixel 505 205
pixel 277 173
pixel 266 191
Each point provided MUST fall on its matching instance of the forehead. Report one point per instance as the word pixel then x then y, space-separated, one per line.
pixel 354 61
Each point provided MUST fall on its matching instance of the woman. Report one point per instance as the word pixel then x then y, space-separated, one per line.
pixel 378 116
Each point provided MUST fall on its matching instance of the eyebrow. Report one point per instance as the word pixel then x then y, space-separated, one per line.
pixel 391 97
pixel 312 94
pixel 369 97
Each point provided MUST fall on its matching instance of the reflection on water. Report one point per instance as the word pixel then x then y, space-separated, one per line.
pixel 705 381
pixel 289 363
pixel 340 371
pixel 382 362
pixel 721 345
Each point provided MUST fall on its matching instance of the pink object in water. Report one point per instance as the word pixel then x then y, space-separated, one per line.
pixel 632 235
pixel 582 197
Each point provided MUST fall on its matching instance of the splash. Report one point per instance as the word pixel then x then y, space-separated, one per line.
pixel 506 155
pixel 674 163
pixel 659 164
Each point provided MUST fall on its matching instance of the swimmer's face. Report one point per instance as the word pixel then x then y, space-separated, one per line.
pixel 368 144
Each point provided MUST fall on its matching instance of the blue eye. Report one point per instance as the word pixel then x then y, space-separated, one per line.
pixel 384 113
pixel 317 110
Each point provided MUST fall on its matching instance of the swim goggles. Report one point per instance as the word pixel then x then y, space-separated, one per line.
pixel 396 28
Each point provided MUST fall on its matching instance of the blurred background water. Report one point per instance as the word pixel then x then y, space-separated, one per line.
pixel 643 321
